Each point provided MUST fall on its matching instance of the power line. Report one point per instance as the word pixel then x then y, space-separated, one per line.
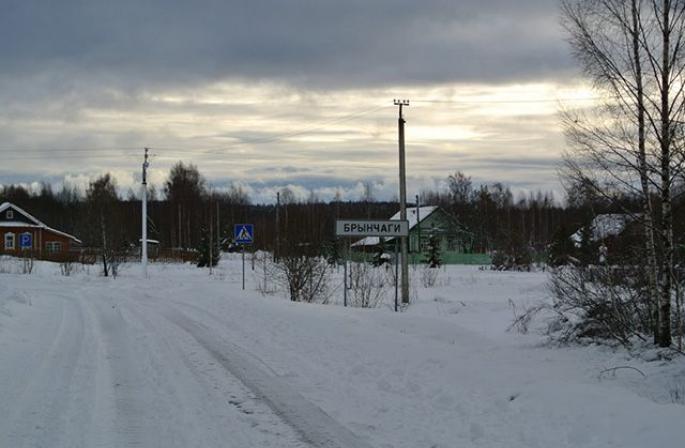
pixel 62 156
pixel 494 101
pixel 74 149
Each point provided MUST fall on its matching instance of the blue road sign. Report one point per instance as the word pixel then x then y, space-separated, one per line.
pixel 243 233
pixel 26 241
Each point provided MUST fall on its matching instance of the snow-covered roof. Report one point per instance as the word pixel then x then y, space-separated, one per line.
pixel 36 222
pixel 16 224
pixel 603 226
pixel 412 217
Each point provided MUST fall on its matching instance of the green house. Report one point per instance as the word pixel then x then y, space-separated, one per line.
pixel 456 242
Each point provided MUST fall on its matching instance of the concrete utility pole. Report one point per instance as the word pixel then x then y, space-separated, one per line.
pixel 218 227
pixel 403 202
pixel 211 234
pixel 143 242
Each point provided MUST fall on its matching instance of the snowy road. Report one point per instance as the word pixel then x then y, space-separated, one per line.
pixel 183 360
pixel 104 372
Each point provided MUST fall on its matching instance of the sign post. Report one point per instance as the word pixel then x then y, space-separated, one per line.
pixel 363 228
pixel 243 234
pixel 397 271
pixel 345 281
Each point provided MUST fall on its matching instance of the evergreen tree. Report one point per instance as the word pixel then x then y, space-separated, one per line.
pixel 433 257
pixel 587 253
pixel 561 247
pixel 203 258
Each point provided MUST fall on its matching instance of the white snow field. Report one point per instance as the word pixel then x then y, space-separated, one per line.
pixel 183 359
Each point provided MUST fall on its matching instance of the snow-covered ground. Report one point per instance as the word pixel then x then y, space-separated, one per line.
pixel 188 360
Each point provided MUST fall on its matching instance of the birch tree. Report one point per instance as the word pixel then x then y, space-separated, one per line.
pixel 101 197
pixel 632 51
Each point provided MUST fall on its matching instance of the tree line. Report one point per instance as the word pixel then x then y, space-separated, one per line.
pixel 187 206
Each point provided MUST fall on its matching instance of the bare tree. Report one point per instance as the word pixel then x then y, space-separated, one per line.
pixel 185 189
pixel 237 195
pixel 101 198
pixel 287 196
pixel 461 188
pixel 633 52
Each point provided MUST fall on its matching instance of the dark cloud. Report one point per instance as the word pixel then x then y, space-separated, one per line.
pixel 308 43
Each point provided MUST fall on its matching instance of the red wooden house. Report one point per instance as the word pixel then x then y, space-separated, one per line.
pixel 20 232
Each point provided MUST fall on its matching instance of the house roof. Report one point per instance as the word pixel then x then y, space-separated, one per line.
pixel 36 222
pixel 412 217
pixel 603 226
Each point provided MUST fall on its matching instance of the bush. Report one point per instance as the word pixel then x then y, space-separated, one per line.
pixel 66 267
pixel 600 303
pixel 429 276
pixel 265 271
pixel 367 285
pixel 517 260
pixel 305 277
pixel 513 254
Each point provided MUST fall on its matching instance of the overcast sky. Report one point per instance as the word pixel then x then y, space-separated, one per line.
pixel 275 93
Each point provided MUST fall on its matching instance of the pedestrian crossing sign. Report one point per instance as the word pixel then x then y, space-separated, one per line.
pixel 243 233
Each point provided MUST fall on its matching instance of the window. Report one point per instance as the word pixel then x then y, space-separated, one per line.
pixel 9 241
pixel 9 214
pixel 53 247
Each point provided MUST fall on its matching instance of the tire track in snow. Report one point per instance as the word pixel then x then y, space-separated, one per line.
pixel 216 397
pixel 127 380
pixel 164 392
pixel 314 425
pixel 45 406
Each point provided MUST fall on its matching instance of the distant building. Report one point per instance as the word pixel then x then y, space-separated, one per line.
pixel 603 226
pixel 23 233
pixel 152 247
pixel 424 224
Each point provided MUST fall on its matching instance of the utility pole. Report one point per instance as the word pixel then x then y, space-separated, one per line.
pixel 211 234
pixel 218 226
pixel 403 201
pixel 278 226
pixel 143 243
pixel 418 225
